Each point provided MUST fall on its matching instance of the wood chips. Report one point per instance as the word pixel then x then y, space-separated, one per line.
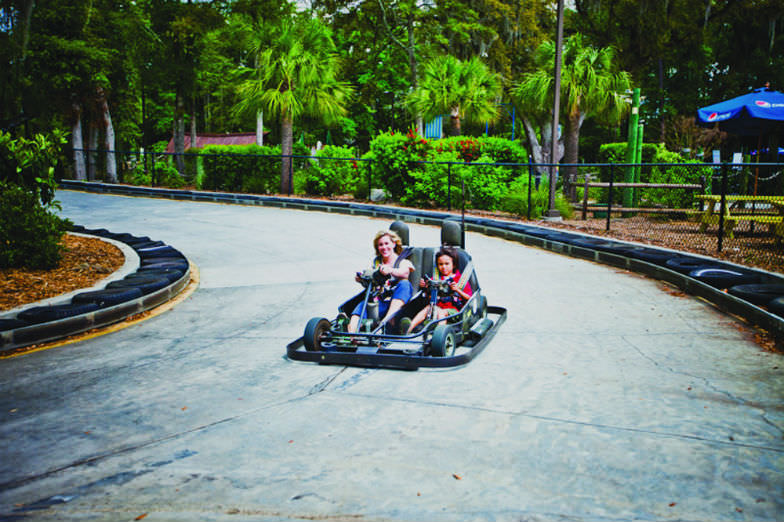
pixel 85 261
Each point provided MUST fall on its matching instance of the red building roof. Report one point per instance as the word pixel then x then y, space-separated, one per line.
pixel 238 138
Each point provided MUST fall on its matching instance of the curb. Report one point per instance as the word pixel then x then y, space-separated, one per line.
pixel 515 231
pixel 24 336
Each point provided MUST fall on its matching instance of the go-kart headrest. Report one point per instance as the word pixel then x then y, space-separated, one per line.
pixel 451 233
pixel 401 229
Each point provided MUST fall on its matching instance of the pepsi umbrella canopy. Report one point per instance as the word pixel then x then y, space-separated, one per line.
pixel 756 113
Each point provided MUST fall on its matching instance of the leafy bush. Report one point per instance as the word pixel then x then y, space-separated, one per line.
pixel 29 233
pixel 394 156
pixel 30 163
pixel 429 185
pixel 192 160
pixel 161 175
pixel 499 150
pixel 675 198
pixel 326 176
pixel 516 200
pixel 245 168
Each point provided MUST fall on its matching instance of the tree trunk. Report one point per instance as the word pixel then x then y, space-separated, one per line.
pixel 106 121
pixel 454 115
pixel 193 125
pixel 77 140
pixel 541 150
pixel 286 149
pixel 260 128
pixel 571 146
pixel 92 151
pixel 179 132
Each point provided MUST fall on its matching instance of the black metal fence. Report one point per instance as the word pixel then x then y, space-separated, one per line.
pixel 731 211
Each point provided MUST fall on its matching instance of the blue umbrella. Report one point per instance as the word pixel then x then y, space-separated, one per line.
pixel 754 114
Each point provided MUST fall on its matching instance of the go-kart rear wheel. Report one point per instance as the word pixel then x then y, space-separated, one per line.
pixel 314 331
pixel 443 342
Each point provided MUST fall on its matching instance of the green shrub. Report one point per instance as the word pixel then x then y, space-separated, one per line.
pixel 160 175
pixel 245 168
pixel 516 199
pixel 192 165
pixel 499 150
pixel 428 185
pixel 29 233
pixel 327 177
pixel 679 174
pixel 30 163
pixel 395 156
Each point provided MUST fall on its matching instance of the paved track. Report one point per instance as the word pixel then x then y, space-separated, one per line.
pixel 603 397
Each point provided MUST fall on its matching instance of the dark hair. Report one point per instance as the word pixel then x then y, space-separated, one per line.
pixel 450 252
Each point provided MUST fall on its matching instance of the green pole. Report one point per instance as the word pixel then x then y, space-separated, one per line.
pixel 631 147
pixel 638 168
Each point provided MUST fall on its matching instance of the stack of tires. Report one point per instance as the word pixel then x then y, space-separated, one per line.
pixel 160 267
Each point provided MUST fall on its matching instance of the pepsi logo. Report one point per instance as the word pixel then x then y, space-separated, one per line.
pixel 713 116
pixel 762 103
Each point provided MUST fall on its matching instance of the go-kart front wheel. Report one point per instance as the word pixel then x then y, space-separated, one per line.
pixel 443 342
pixel 314 331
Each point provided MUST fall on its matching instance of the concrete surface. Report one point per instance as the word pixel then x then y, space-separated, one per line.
pixel 604 396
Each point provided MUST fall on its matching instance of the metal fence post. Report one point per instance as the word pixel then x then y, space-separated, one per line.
pixel 610 198
pixel 449 186
pixel 462 228
pixel 585 197
pixel 723 205
pixel 530 179
pixel 370 180
pixel 291 173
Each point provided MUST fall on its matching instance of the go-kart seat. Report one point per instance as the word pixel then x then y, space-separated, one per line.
pixel 463 260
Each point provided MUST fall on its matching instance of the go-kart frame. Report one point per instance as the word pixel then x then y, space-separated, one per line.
pixel 447 342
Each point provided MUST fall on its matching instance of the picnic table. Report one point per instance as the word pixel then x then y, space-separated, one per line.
pixel 736 210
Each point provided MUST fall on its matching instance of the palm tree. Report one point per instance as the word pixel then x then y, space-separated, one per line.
pixel 590 87
pixel 296 76
pixel 466 90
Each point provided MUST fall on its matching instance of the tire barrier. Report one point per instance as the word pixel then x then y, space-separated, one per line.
pixel 162 273
pixel 705 282
pixel 758 294
pixel 723 278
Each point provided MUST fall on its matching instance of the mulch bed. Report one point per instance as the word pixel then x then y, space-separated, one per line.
pixel 85 261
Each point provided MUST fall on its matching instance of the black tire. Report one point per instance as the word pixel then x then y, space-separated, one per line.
pixel 96 231
pixel 777 306
pixel 651 255
pixel 758 294
pixel 154 263
pixel 141 245
pixel 145 284
pixel 162 251
pixel 136 240
pixel 172 274
pixel 315 328
pixel 44 314
pixel 443 342
pixel 686 264
pixel 11 324
pixel 108 296
pixel 601 245
pixel 724 277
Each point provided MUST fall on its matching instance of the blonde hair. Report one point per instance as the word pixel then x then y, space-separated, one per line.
pixel 393 236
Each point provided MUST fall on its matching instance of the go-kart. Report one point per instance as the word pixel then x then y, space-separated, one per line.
pixel 449 341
